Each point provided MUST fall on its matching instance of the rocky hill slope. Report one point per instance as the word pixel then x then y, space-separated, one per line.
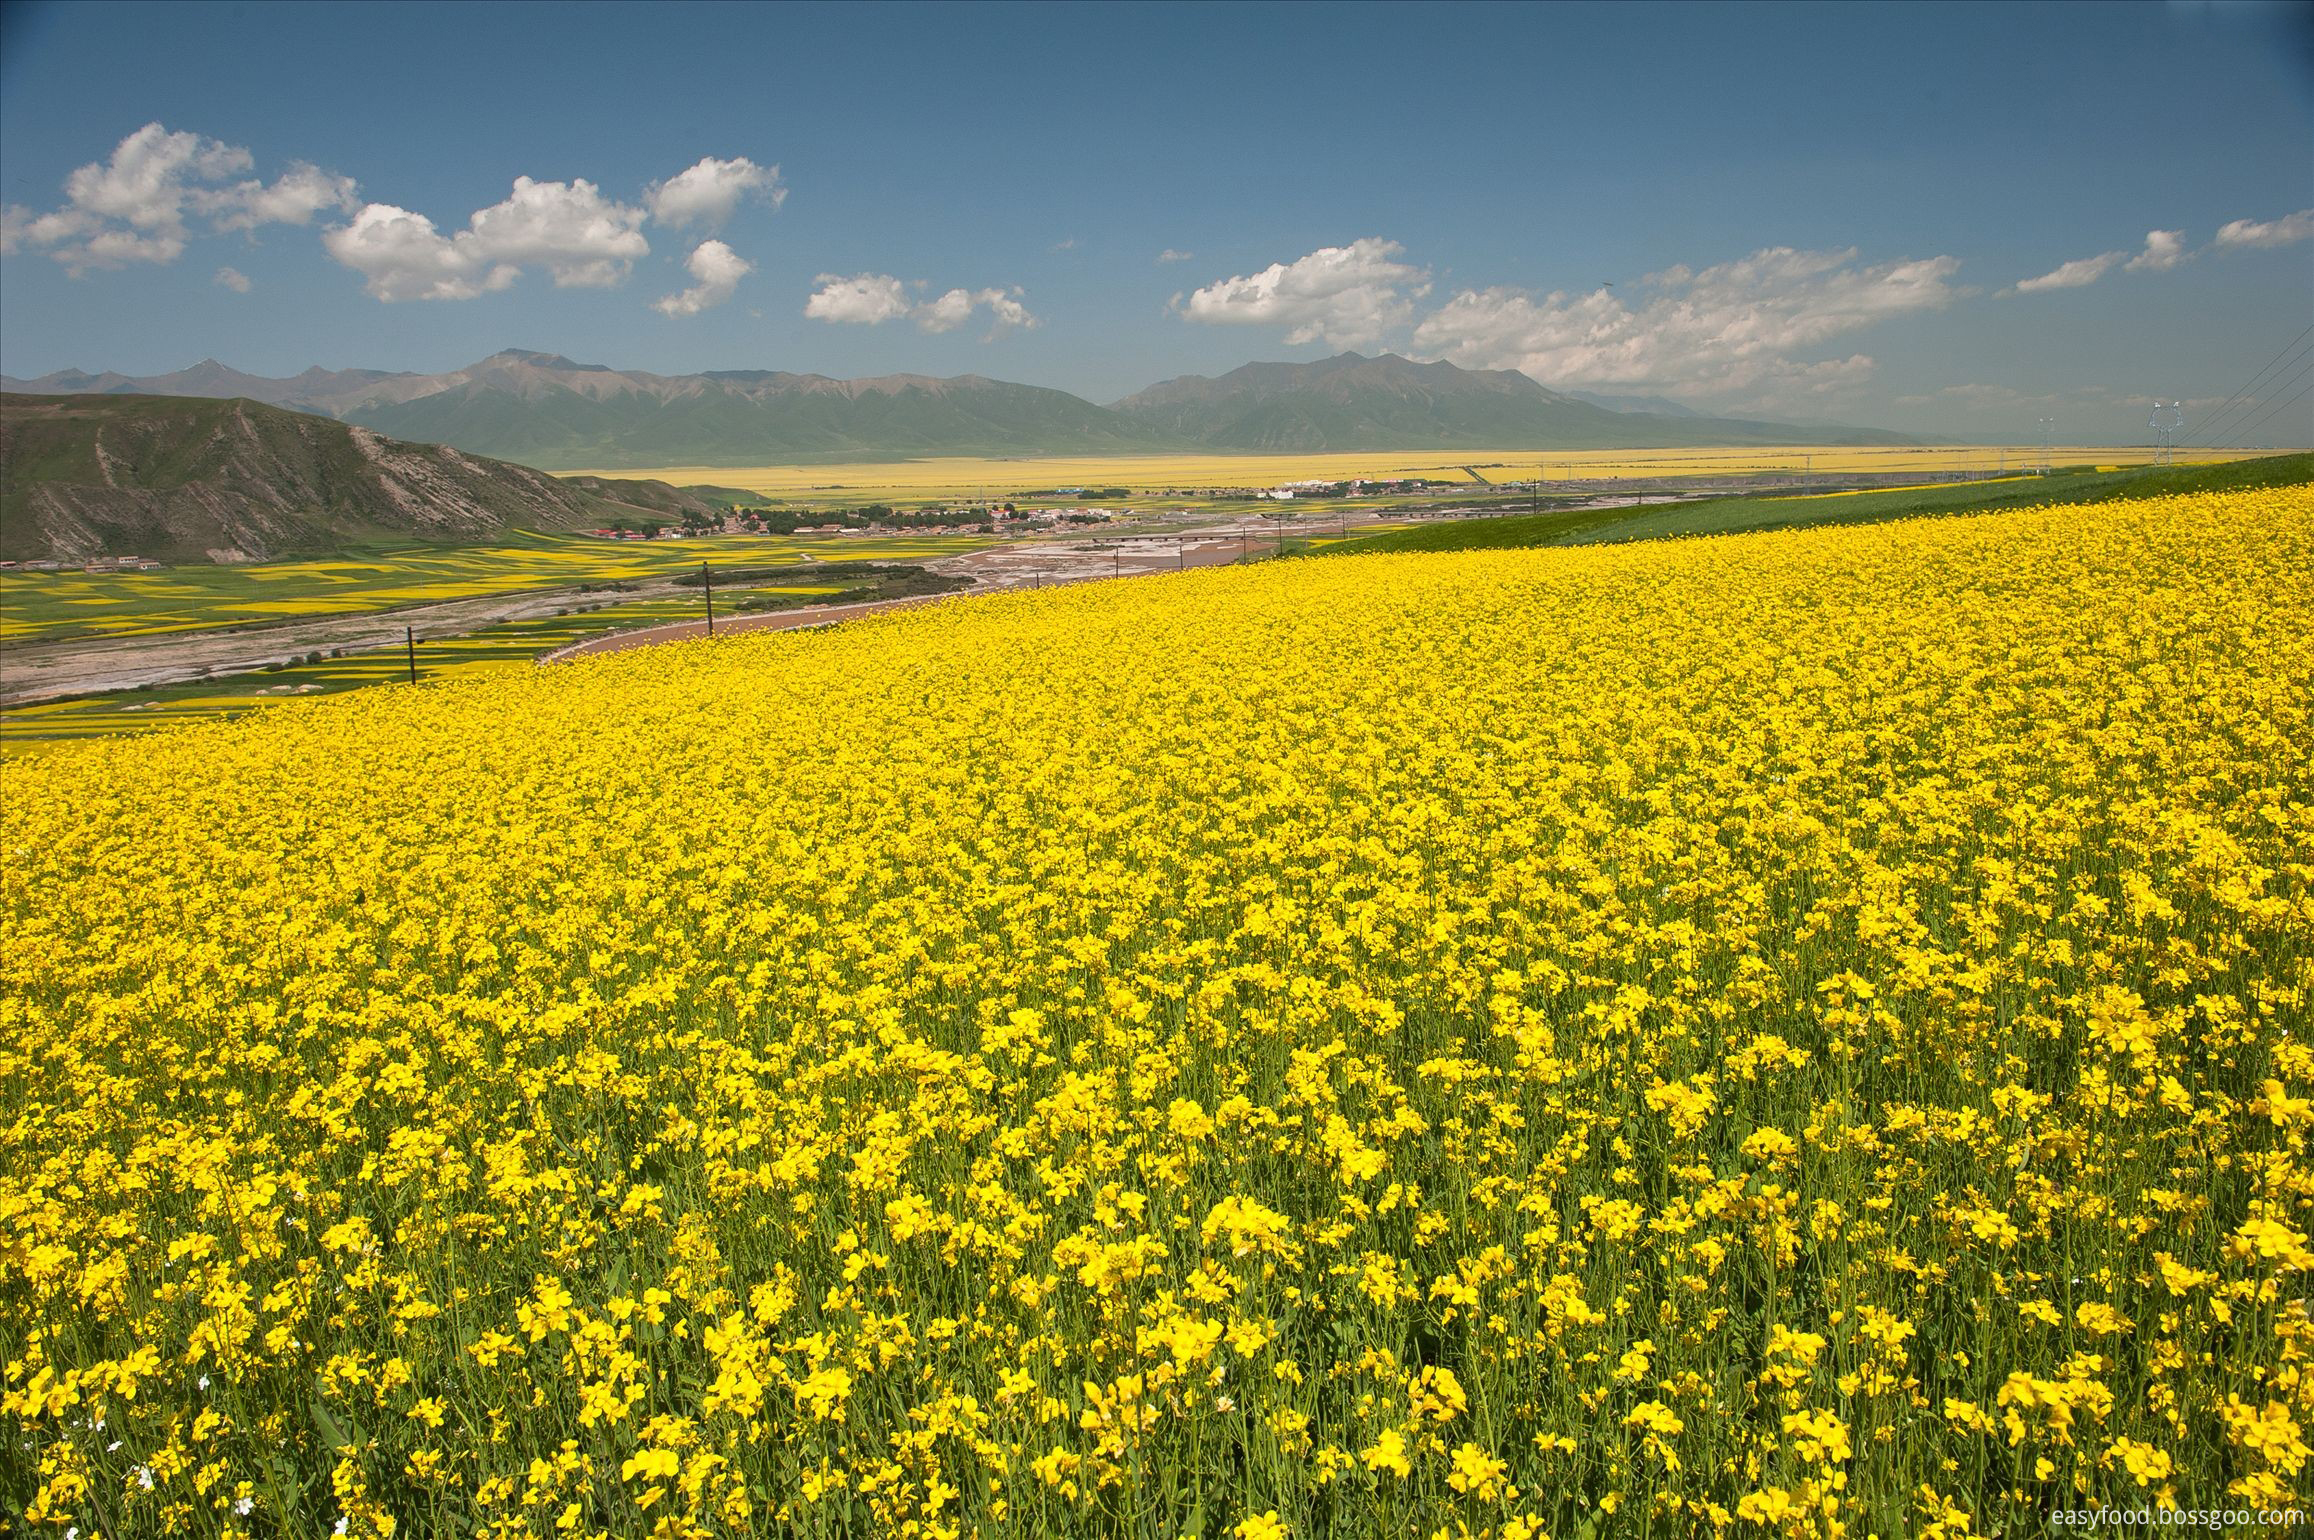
pixel 192 479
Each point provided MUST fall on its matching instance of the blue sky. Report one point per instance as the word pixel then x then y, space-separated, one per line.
pixel 1812 211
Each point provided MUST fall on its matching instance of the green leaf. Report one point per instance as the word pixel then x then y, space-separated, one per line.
pixel 331 1433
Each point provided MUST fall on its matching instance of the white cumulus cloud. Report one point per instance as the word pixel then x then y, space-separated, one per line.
pixel 2076 274
pixel 956 307
pixel 1170 255
pixel 1006 309
pixel 1734 326
pixel 1345 296
pixel 2286 231
pixel 403 256
pixel 866 299
pixel 946 313
pixel 870 299
pixel 293 198
pixel 137 206
pixel 581 238
pixel 234 279
pixel 709 191
pixel 716 269
pixel 2164 249
pixel 569 228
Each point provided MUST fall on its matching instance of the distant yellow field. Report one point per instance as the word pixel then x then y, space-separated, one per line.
pixel 1918 486
pixel 965 477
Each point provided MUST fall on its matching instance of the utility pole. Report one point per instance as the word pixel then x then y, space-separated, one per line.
pixel 707 581
pixel 410 641
pixel 2165 422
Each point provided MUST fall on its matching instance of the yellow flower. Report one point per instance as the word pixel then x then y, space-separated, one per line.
pixel 1477 1473
pixel 2143 1462
pixel 651 1465
pixel 1655 1417
pixel 1387 1453
pixel 1436 1393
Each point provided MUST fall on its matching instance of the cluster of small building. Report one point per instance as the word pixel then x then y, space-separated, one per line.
pixel 1355 487
pixel 915 521
pixel 1050 516
pixel 1286 492
pixel 100 564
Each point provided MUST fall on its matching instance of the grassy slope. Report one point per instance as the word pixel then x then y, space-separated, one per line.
pixel 1729 515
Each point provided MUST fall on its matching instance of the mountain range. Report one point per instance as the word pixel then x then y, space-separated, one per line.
pixel 236 480
pixel 1353 402
pixel 544 410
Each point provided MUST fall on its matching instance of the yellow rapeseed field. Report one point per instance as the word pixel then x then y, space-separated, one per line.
pixel 1799 1034
pixel 964 476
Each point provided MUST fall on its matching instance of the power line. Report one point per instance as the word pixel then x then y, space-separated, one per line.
pixel 2274 389
pixel 2300 396
pixel 2252 383
pixel 2303 392
pixel 2210 422
pixel 2219 424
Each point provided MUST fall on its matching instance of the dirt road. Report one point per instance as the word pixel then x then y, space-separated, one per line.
pixel 42 671
pixel 46 671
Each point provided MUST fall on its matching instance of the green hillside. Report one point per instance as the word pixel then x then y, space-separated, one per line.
pixel 1731 515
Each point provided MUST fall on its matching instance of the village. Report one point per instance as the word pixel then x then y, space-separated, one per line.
pixel 1013 517
pixel 101 564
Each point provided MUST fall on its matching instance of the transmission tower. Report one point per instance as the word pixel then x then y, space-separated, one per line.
pixel 2165 421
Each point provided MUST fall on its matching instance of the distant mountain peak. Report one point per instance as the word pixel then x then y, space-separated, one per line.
pixel 548 410
pixel 1390 402
pixel 541 361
